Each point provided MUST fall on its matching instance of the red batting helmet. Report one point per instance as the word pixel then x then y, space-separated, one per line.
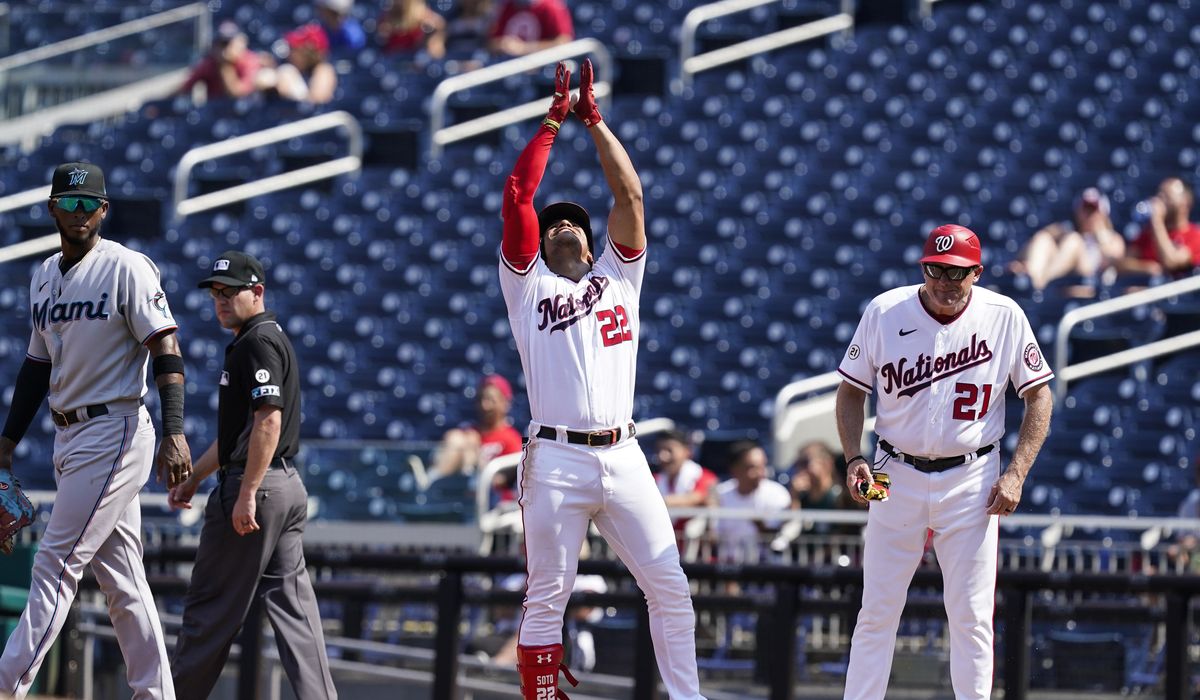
pixel 951 244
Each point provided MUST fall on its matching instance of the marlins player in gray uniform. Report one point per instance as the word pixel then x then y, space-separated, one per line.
pixel 99 314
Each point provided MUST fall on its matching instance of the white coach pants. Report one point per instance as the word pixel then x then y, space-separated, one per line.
pixel 953 504
pixel 562 488
pixel 100 466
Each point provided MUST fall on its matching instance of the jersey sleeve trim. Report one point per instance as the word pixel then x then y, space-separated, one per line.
pixel 861 385
pixel 157 331
pixel 1041 379
pixel 626 254
pixel 35 358
pixel 516 270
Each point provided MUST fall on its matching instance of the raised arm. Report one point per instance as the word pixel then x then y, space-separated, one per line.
pixel 627 221
pixel 521 232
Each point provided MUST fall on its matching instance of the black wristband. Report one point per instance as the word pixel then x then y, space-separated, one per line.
pixel 167 364
pixel 170 399
pixel 855 458
pixel 33 382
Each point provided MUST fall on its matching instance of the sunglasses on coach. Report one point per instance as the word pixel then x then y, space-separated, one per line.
pixel 71 204
pixel 228 292
pixel 956 274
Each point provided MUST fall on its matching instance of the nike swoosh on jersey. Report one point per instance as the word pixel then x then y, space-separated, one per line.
pixel 43 285
pixel 904 332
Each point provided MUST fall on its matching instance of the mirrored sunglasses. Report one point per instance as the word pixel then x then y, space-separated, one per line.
pixel 228 292
pixel 953 273
pixel 71 204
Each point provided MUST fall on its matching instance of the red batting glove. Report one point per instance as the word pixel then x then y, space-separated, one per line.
pixel 560 107
pixel 586 108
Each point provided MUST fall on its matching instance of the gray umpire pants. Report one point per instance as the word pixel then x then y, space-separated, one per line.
pixel 231 569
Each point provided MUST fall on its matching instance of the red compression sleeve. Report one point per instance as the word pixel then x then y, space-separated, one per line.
pixel 520 244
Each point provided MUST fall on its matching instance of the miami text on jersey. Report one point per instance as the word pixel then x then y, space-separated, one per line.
pixel 926 370
pixel 564 310
pixel 69 311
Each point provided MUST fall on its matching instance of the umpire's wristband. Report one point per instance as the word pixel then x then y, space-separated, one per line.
pixel 854 459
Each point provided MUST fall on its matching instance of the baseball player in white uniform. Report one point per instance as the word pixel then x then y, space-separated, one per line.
pixel 99 314
pixel 938 356
pixel 575 320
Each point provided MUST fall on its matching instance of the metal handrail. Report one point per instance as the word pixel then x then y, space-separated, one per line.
pixel 809 385
pixel 197 10
pixel 691 63
pixel 183 206
pixel 1066 373
pixel 442 135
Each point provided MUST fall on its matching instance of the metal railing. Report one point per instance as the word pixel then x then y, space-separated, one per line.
pixel 691 63
pixel 1066 373
pixel 183 206
pixel 442 135
pixel 794 422
pixel 27 86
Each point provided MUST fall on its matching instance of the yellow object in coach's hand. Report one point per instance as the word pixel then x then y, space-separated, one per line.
pixel 877 489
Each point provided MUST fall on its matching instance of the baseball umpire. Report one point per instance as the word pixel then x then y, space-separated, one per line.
pixel 99 314
pixel 251 544
pixel 940 355
pixel 575 321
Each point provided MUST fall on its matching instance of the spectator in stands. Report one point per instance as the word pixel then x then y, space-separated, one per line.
pixel 1183 553
pixel 469 447
pixel 817 484
pixel 230 68
pixel 740 539
pixel 345 34
pixel 1169 243
pixel 308 76
pixel 525 26
pixel 682 482
pixel 409 26
pixel 1087 246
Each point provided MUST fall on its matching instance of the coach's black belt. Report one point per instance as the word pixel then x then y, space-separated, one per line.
pixel 62 420
pixel 930 466
pixel 591 438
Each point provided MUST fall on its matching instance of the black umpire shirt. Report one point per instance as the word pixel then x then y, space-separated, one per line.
pixel 260 370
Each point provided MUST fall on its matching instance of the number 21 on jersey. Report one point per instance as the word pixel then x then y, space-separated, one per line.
pixel 614 326
pixel 968 398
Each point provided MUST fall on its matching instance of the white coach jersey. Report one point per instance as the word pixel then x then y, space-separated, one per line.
pixel 942 386
pixel 92 323
pixel 578 342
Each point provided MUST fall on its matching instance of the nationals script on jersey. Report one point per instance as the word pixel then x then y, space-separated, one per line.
pixel 578 341
pixel 942 386
pixel 91 324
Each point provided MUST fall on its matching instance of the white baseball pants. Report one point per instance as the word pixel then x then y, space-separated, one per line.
pixel 100 466
pixel 953 504
pixel 562 488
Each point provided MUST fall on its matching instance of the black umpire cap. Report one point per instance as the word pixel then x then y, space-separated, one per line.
pixel 234 268
pixel 78 180
pixel 571 212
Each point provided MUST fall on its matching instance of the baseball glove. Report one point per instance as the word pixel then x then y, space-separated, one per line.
pixel 16 511
pixel 877 489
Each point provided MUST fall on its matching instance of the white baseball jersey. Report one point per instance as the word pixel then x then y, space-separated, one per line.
pixel 93 322
pixel 942 385
pixel 578 341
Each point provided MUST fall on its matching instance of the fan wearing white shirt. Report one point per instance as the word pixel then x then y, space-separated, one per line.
pixel 748 488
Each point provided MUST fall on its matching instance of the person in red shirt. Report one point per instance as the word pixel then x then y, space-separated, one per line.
pixel 682 482
pixel 1170 242
pixel 525 26
pixel 409 26
pixel 472 446
pixel 229 69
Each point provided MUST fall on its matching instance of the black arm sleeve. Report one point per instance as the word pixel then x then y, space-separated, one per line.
pixel 33 383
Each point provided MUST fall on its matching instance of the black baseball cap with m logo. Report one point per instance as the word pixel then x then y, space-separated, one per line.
pixel 78 180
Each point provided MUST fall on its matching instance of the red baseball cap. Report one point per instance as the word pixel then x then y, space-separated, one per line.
pixel 951 244
pixel 311 36
pixel 499 382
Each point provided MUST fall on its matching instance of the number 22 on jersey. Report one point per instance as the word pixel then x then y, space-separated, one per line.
pixel 614 326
